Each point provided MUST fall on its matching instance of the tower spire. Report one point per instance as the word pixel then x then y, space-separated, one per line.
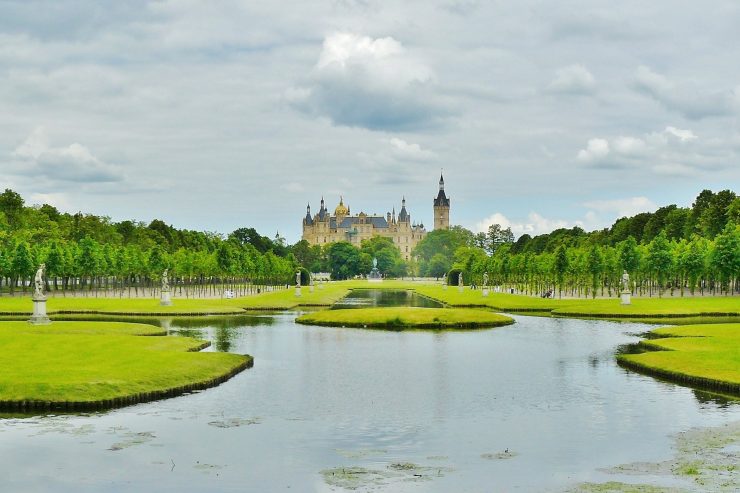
pixel 441 180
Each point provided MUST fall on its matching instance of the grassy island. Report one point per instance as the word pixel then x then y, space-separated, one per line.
pixel 96 365
pixel 705 355
pixel 399 318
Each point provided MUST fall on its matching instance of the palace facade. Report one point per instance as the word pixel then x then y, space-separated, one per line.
pixel 323 227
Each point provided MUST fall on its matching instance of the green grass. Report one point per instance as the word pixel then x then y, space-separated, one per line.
pixel 496 301
pixel 654 307
pixel 705 355
pixel 272 300
pixel 286 299
pixel 93 362
pixel 122 306
pixel 406 317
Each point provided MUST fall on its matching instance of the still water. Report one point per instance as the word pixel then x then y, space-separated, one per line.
pixel 548 390
pixel 365 298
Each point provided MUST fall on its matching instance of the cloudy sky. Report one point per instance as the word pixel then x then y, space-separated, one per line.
pixel 216 115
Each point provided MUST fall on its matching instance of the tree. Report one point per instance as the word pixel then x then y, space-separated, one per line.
pixel 11 204
pixel 725 257
pixel 629 256
pixel 497 236
pixel 595 267
pixel 438 266
pixel 660 259
pixel 561 266
pixel 344 260
pixel 22 266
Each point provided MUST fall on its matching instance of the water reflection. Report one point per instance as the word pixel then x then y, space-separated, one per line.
pixel 366 298
pixel 320 398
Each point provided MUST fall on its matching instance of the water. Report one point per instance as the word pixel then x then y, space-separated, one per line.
pixel 365 298
pixel 548 390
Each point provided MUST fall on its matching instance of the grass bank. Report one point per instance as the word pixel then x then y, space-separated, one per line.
pixel 610 308
pixel 272 300
pixel 706 355
pixel 654 308
pixel 399 318
pixel 98 365
pixel 286 299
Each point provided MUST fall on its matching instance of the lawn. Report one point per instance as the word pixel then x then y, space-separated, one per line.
pixel 398 318
pixel 79 365
pixel 707 355
pixel 654 307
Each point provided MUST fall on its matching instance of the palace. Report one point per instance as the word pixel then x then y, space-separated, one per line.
pixel 324 228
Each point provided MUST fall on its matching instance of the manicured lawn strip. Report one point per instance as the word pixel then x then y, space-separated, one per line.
pixel 654 307
pixel 95 365
pixel 706 355
pixel 286 299
pixel 398 318
pixel 497 301
pixel 122 306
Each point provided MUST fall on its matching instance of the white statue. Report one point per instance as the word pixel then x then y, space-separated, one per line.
pixel 459 279
pixel 298 279
pixel 485 279
pixel 625 281
pixel 38 282
pixel 165 281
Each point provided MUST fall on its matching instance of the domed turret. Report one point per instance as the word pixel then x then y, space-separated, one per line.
pixel 341 209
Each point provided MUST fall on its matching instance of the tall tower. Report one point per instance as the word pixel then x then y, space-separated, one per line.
pixel 441 207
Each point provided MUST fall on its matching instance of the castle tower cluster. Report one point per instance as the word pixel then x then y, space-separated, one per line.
pixel 323 228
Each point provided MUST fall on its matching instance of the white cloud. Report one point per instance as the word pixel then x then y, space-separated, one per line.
pixel 73 163
pixel 372 83
pixel 534 224
pixel 596 149
pixel 573 79
pixel 622 207
pixel 673 151
pixel 406 150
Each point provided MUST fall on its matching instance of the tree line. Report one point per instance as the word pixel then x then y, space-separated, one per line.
pixel 682 250
pixel 93 253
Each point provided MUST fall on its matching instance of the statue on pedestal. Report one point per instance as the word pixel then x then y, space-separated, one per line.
pixel 39 316
pixel 164 298
pixel 165 281
pixel 485 279
pixel 38 283
pixel 625 281
pixel 626 294
pixel 298 279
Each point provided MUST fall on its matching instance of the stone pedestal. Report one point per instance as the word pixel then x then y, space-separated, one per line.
pixel 626 297
pixel 444 287
pixel 460 289
pixel 485 291
pixel 297 290
pixel 310 288
pixel 165 299
pixel 321 285
pixel 39 312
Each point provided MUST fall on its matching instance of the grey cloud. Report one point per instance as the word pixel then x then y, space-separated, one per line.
pixel 370 83
pixel 691 101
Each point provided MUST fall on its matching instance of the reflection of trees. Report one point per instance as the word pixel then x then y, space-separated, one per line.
pixel 720 400
pixel 222 322
pixel 224 336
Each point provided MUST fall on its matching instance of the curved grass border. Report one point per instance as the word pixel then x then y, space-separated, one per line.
pixel 77 334
pixel 126 400
pixel 684 346
pixel 406 318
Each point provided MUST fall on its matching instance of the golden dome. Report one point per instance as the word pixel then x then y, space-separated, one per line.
pixel 341 210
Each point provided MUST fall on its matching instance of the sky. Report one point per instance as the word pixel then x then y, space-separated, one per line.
pixel 219 115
